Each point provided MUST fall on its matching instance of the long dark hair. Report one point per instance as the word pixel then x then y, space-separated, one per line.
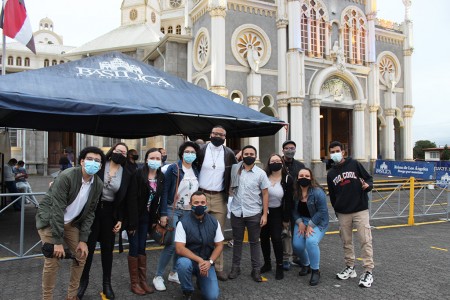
pixel 297 186
pixel 284 171
pixel 145 168
pixel 110 151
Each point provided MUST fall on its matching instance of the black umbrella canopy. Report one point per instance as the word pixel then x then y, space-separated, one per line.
pixel 114 95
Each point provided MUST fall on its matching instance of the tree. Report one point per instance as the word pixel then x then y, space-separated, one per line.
pixel 419 146
pixel 446 154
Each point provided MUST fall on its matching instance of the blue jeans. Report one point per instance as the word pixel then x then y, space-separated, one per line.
pixel 137 241
pixel 169 250
pixel 208 284
pixel 12 188
pixel 307 248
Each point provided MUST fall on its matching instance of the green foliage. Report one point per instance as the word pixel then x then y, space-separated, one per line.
pixel 419 146
pixel 445 154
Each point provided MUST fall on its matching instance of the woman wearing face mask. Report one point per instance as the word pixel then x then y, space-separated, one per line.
pixel 108 216
pixel 280 207
pixel 175 204
pixel 311 222
pixel 142 210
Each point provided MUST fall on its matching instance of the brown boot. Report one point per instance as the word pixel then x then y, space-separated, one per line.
pixel 142 263
pixel 134 277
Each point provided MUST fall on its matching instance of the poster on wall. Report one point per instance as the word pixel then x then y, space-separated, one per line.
pixel 419 169
pixel 442 170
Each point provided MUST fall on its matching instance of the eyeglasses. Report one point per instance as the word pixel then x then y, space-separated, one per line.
pixel 190 152
pixel 218 134
pixel 289 148
pixel 93 159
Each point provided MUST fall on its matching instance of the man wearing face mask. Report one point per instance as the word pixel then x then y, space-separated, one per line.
pixel 215 161
pixel 293 166
pixel 66 214
pixel 198 242
pixel 132 158
pixel 348 185
pixel 249 187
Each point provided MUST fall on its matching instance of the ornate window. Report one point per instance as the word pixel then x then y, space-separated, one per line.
pixel 388 67
pixel 314 18
pixel 18 61
pixel 251 38
pixel 133 14
pixel 27 62
pixel 175 3
pixel 178 29
pixel 153 17
pixel 61 62
pixel 355 35
pixel 236 97
pixel 170 29
pixel 201 46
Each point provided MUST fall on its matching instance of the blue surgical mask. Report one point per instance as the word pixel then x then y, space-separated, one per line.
pixel 153 164
pixel 91 167
pixel 189 157
pixel 199 210
pixel 336 157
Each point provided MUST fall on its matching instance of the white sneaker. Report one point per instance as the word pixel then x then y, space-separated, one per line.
pixel 348 272
pixel 366 280
pixel 158 282
pixel 173 277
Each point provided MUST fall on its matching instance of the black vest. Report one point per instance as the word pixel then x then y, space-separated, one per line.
pixel 200 234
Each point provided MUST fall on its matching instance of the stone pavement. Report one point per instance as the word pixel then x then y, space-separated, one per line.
pixel 410 263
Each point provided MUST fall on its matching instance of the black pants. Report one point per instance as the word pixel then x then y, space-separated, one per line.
pixel 101 231
pixel 272 231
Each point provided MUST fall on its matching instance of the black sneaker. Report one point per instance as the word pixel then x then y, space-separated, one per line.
pixel 256 275
pixel 235 272
pixel 305 270
pixel 187 295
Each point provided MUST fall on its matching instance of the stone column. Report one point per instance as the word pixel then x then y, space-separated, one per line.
pixel 408 112
pixel 358 131
pixel 315 130
pixel 253 103
pixel 373 131
pixel 218 74
pixel 389 133
pixel 282 78
pixel 282 115
pixel 297 125
pixel 327 40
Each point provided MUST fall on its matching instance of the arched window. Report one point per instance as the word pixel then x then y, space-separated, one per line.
pixel 314 18
pixel 27 62
pixel 170 29
pixel 10 60
pixel 178 29
pixel 355 31
pixel 18 61
pixel 46 63
pixel 236 97
pixel 54 62
pixel 61 61
pixel 163 30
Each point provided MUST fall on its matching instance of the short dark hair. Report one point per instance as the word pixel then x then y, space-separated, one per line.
pixel 185 145
pixel 150 151
pixel 336 144
pixel 131 151
pixel 94 150
pixel 20 163
pixel 218 126
pixel 251 147
pixel 198 193
pixel 12 161
pixel 289 142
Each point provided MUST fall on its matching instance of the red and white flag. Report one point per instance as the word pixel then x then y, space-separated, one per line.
pixel 16 24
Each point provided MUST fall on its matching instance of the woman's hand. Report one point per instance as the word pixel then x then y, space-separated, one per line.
pixel 301 229
pixel 309 231
pixel 118 226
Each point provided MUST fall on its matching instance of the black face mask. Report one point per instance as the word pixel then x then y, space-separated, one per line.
pixel 304 182
pixel 163 158
pixel 248 160
pixel 217 141
pixel 118 158
pixel 273 167
pixel 135 157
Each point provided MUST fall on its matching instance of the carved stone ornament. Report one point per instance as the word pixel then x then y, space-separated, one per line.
pixel 201 49
pixel 337 90
pixel 251 46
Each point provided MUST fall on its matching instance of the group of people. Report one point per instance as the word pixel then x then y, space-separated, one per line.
pixel 107 194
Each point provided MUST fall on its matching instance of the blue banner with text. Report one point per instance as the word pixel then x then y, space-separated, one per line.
pixel 418 169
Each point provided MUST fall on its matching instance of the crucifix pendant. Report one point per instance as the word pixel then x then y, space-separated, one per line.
pixel 214 166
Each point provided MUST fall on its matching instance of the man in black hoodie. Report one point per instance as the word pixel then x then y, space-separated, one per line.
pixel 348 185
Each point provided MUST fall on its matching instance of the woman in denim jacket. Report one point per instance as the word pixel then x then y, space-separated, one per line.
pixel 311 222
pixel 185 173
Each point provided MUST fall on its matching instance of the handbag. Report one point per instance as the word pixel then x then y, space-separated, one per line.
pixel 164 235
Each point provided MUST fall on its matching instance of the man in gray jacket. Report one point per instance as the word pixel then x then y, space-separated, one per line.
pixel 66 215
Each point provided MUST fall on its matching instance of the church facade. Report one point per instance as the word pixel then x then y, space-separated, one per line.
pixel 329 68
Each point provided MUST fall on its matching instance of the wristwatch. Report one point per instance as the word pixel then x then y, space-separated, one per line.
pixel 211 262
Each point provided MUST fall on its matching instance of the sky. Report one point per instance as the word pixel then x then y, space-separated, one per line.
pixel 83 20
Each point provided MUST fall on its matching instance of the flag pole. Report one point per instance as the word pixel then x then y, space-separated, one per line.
pixel 4 44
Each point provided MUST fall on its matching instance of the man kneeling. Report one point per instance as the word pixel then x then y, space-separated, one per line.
pixel 198 242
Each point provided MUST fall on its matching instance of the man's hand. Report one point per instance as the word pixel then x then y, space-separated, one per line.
pixel 116 228
pixel 263 221
pixel 82 247
pixel 58 251
pixel 204 267
pixel 301 229
pixel 364 184
pixel 163 221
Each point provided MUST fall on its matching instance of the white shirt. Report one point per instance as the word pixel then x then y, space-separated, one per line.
pixel 75 208
pixel 211 178
pixel 187 186
pixel 180 234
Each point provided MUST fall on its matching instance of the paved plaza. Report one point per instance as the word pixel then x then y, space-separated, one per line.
pixel 410 263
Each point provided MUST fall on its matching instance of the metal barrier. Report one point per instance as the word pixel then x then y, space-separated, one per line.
pixel 407 199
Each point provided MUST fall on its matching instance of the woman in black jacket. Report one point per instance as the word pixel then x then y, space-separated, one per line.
pixel 108 216
pixel 142 211
pixel 280 207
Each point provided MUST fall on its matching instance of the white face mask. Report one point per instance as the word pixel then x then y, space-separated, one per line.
pixel 336 157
